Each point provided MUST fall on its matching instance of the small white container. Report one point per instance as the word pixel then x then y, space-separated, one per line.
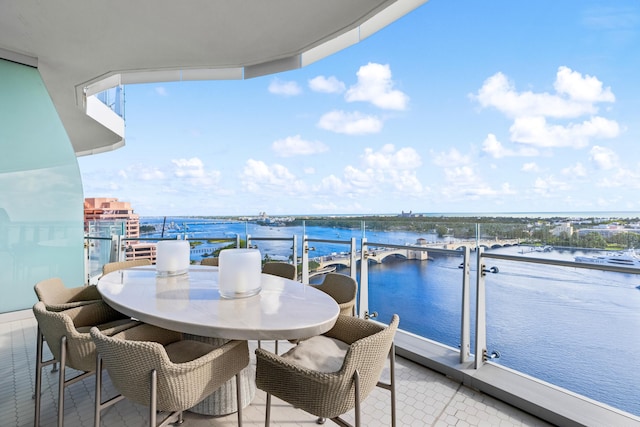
pixel 172 257
pixel 239 273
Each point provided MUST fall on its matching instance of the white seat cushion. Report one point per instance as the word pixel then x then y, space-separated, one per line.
pixel 320 353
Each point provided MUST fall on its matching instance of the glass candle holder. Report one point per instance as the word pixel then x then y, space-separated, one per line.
pixel 239 273
pixel 172 257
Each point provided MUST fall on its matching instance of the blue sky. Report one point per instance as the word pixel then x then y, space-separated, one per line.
pixel 460 106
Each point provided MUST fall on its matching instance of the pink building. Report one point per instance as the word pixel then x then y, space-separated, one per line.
pixel 111 209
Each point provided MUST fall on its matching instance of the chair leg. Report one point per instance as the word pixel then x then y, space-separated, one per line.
pixel 38 386
pixel 98 401
pixel 61 380
pixel 239 400
pixel 392 385
pixel 152 403
pixel 356 384
pixel 267 412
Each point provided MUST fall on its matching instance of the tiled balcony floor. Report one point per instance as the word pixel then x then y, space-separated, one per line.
pixel 424 397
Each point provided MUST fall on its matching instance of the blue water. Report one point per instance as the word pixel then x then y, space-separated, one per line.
pixel 576 328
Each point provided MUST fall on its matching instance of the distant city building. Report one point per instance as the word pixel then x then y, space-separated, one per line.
pixel 609 230
pixel 565 227
pixel 110 210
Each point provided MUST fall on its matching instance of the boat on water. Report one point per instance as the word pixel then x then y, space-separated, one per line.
pixel 628 258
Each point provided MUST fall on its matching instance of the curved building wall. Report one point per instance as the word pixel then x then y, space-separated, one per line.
pixel 41 200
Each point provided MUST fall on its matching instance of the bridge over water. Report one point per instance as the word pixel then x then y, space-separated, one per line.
pixel 420 252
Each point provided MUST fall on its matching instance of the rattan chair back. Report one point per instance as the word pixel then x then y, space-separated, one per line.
pixel 343 289
pixel 211 261
pixel 121 265
pixel 281 269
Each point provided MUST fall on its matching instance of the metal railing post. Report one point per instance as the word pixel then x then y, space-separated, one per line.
pixel 362 303
pixel 353 260
pixel 114 253
pixel 481 315
pixel 465 323
pixel 305 260
pixel 294 248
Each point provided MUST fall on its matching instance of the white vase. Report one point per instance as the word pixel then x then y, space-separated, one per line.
pixel 239 272
pixel 172 257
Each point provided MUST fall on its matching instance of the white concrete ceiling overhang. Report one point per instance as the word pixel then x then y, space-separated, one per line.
pixel 85 46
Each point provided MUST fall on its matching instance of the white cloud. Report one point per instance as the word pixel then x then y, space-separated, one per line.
pixel 257 176
pixel 406 181
pixel 161 90
pixel 576 95
pixel 603 158
pixel 376 86
pixel 549 186
pixel 326 84
pixel 150 174
pixel 192 167
pixel 388 158
pixel 530 167
pixel 575 171
pixel 495 149
pixel 279 87
pixel 333 185
pixel 622 178
pixel 194 172
pixel 463 183
pixel 462 175
pixel 141 172
pixel 296 146
pixel 536 131
pixel 581 95
pixel 506 189
pixel 359 179
pixel 451 158
pixel 585 89
pixel 354 123
pixel 385 171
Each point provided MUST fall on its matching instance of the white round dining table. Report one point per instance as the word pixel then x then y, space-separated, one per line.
pixel 191 303
pixel 283 310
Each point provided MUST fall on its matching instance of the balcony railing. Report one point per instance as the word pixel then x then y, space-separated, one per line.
pixel 508 322
pixel 114 99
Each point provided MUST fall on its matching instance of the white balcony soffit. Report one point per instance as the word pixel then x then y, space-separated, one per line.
pixel 83 47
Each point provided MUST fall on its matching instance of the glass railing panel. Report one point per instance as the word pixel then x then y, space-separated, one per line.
pixel 98 254
pixel 423 287
pixel 575 327
pixel 114 99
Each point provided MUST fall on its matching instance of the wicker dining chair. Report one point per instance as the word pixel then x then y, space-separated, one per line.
pixel 343 289
pixel 157 368
pixel 211 261
pixel 67 335
pixel 331 374
pixel 121 265
pixel 57 297
pixel 281 269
